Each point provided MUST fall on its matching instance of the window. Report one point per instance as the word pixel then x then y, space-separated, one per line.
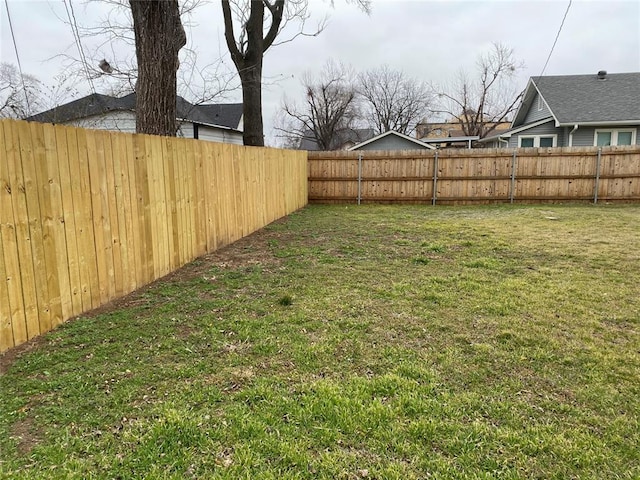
pixel 538 141
pixel 547 141
pixel 604 138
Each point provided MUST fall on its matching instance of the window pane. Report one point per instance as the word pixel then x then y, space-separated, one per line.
pixel 546 141
pixel 603 139
pixel 624 138
pixel 526 142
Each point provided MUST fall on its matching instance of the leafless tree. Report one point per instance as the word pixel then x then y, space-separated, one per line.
pixel 19 98
pixel 330 107
pixel 479 104
pixel 392 100
pixel 109 57
pixel 251 28
pixel 39 95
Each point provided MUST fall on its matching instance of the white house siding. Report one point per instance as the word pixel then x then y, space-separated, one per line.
pixel 185 130
pixel 212 134
pixel 533 115
pixel 120 121
pixel 544 129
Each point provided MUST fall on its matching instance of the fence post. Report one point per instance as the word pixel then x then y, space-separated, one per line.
pixel 597 183
pixel 359 177
pixel 513 175
pixel 435 179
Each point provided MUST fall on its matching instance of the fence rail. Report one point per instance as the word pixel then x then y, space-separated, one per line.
pixel 87 216
pixel 476 176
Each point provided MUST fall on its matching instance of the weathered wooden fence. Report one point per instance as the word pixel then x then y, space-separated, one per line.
pixel 87 216
pixel 476 176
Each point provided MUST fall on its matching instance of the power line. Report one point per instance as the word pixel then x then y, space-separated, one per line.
pixel 76 36
pixel 15 47
pixel 556 40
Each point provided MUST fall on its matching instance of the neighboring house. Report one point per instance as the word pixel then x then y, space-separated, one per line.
pixel 214 122
pixel 392 140
pixel 453 129
pixel 575 111
pixel 343 140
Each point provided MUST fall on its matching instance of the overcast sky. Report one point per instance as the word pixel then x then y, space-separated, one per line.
pixel 429 40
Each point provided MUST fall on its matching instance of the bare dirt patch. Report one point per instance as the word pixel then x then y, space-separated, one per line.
pixel 27 435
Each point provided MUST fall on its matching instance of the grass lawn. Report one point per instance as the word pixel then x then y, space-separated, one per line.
pixel 378 342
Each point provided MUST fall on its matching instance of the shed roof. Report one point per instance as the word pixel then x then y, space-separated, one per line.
pixel 414 141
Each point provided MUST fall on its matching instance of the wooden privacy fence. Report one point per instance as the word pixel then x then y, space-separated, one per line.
pixel 476 176
pixel 87 216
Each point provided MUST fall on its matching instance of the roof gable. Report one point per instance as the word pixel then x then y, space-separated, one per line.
pixel 579 99
pixel 392 133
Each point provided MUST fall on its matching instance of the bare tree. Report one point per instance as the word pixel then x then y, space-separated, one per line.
pixel 480 104
pixel 257 25
pixel 393 101
pixel 330 107
pixel 109 56
pixel 19 97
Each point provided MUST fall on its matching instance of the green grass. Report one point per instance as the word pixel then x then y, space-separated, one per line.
pixel 355 342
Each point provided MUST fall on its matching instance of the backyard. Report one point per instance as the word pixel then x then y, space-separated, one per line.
pixel 351 342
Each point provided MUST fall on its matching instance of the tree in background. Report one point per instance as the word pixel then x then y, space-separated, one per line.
pixel 247 53
pixel 39 95
pixel 109 62
pixel 479 104
pixel 19 98
pixel 247 43
pixel 159 37
pixel 330 107
pixel 392 100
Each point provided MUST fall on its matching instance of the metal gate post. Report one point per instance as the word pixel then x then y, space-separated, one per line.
pixel 597 183
pixel 435 179
pixel 513 175
pixel 359 177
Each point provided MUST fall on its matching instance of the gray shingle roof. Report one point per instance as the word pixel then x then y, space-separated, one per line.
pixel 585 98
pixel 224 115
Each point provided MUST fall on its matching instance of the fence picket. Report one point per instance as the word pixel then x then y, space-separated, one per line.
pixel 88 216
pixel 476 176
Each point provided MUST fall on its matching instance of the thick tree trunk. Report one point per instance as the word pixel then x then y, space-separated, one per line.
pixel 159 37
pixel 251 79
pixel 248 60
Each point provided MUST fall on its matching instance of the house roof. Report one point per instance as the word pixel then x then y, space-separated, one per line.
pixel 393 133
pixel 511 131
pixel 585 99
pixel 224 115
pixel 342 137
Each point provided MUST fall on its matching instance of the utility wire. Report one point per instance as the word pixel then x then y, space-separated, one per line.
pixel 556 40
pixel 76 36
pixel 15 47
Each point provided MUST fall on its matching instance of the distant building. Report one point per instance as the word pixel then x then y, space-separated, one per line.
pixel 211 122
pixel 392 140
pixel 343 139
pixel 452 129
pixel 575 111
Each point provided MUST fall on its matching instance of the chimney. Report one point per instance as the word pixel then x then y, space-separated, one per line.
pixel 602 75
